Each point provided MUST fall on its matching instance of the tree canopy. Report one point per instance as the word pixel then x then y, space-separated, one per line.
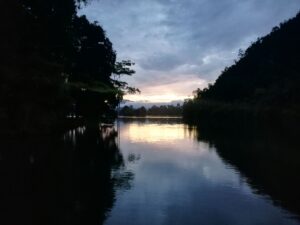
pixel 163 110
pixel 54 62
pixel 266 75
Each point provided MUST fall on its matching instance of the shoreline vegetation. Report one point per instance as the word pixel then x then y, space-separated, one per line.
pixel 225 115
pixel 56 68
pixel 261 87
pixel 59 70
pixel 150 117
pixel 154 111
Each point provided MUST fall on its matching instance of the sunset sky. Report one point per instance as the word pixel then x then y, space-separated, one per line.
pixel 179 45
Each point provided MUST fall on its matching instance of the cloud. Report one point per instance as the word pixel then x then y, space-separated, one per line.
pixel 161 62
pixel 174 40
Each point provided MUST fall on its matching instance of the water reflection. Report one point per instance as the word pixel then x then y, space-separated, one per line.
pixel 98 170
pixel 151 171
pixel 155 133
pixel 48 181
pixel 267 157
pixel 182 178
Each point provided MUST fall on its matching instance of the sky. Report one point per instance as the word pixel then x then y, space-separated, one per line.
pixel 181 45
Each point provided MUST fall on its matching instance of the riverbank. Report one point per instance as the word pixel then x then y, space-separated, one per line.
pixel 221 114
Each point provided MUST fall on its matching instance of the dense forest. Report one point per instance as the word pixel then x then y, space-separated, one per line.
pixel 163 110
pixel 55 63
pixel 263 82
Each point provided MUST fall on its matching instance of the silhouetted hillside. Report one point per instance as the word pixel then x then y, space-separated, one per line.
pixel 265 77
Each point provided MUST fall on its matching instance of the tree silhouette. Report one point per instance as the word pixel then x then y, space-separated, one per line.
pixel 54 62
pixel 163 110
pixel 265 78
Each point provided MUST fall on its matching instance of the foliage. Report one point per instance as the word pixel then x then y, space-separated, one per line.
pixel 163 110
pixel 54 62
pixel 265 78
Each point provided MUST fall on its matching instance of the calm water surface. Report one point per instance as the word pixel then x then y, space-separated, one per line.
pixel 151 171
pixel 181 180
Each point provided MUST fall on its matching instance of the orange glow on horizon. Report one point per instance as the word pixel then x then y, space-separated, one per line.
pixel 164 93
pixel 156 98
pixel 155 133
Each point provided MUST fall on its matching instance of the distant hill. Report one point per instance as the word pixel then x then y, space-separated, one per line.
pixel 147 105
pixel 266 75
pixel 268 71
pixel 162 110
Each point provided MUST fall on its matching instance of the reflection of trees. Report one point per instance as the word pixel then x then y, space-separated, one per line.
pixel 73 182
pixel 97 170
pixel 133 158
pixel 268 158
pixel 158 120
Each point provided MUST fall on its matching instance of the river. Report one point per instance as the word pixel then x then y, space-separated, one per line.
pixel 156 171
pixel 179 179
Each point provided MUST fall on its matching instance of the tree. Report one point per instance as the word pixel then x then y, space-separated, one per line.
pixel 265 78
pixel 53 59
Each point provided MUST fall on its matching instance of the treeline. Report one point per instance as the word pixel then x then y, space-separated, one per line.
pixel 55 63
pixel 263 82
pixel 163 110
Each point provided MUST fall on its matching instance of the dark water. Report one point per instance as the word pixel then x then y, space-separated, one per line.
pixel 153 171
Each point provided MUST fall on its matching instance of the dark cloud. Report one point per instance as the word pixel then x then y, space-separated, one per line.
pixel 161 62
pixel 172 39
